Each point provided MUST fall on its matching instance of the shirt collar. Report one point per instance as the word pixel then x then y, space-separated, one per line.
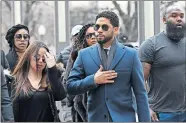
pixel 108 48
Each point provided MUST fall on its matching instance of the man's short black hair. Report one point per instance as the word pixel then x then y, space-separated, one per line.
pixel 114 20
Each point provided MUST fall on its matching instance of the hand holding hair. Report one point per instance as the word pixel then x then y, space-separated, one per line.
pixel 50 60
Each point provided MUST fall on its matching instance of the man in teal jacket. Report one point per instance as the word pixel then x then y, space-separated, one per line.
pixel 108 71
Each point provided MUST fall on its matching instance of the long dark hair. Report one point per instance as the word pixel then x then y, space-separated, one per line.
pixel 80 42
pixel 21 70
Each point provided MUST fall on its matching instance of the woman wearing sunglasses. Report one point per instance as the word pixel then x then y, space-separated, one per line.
pixel 37 86
pixel 18 39
pixel 85 38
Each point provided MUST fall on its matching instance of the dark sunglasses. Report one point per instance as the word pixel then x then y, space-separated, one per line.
pixel 104 27
pixel 37 58
pixel 89 35
pixel 20 36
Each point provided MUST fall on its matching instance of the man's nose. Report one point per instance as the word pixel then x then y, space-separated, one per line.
pixel 100 29
pixel 22 38
pixel 179 19
pixel 93 36
pixel 40 60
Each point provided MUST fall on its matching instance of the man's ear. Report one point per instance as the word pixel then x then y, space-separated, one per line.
pixel 116 30
pixel 164 20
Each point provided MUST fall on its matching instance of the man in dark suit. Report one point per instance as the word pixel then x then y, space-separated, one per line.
pixel 108 71
pixel 6 104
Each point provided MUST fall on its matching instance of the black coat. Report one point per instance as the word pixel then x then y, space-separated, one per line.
pixel 12 59
pixel 4 61
pixel 6 104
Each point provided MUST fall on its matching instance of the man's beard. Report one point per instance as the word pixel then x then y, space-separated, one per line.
pixel 105 40
pixel 174 32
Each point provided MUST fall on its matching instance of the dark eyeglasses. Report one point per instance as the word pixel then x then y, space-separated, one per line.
pixel 37 58
pixel 104 27
pixel 20 36
pixel 89 35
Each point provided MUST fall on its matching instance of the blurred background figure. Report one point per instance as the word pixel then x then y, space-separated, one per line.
pixel 64 54
pixel 78 103
pixel 63 59
pixel 122 38
pixel 4 62
pixel 6 104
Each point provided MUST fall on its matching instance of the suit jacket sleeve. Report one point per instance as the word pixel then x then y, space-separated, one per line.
pixel 77 82
pixel 139 90
pixel 6 104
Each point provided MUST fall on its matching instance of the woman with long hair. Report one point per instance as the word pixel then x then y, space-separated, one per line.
pixel 37 80
pixel 86 37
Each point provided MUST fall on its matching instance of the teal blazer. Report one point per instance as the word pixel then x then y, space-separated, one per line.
pixel 110 102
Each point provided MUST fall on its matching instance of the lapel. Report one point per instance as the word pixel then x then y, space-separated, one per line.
pixel 120 51
pixel 94 53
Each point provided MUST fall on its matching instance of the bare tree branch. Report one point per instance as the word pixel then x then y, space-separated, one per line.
pixel 7 4
pixel 129 7
pixel 129 21
pixel 29 5
pixel 33 2
pixel 123 15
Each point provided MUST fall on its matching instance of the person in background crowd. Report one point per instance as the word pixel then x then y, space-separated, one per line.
pixel 122 38
pixel 37 85
pixel 164 63
pixel 108 71
pixel 6 70
pixel 85 38
pixel 65 53
pixel 6 104
pixel 18 39
pixel 63 59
